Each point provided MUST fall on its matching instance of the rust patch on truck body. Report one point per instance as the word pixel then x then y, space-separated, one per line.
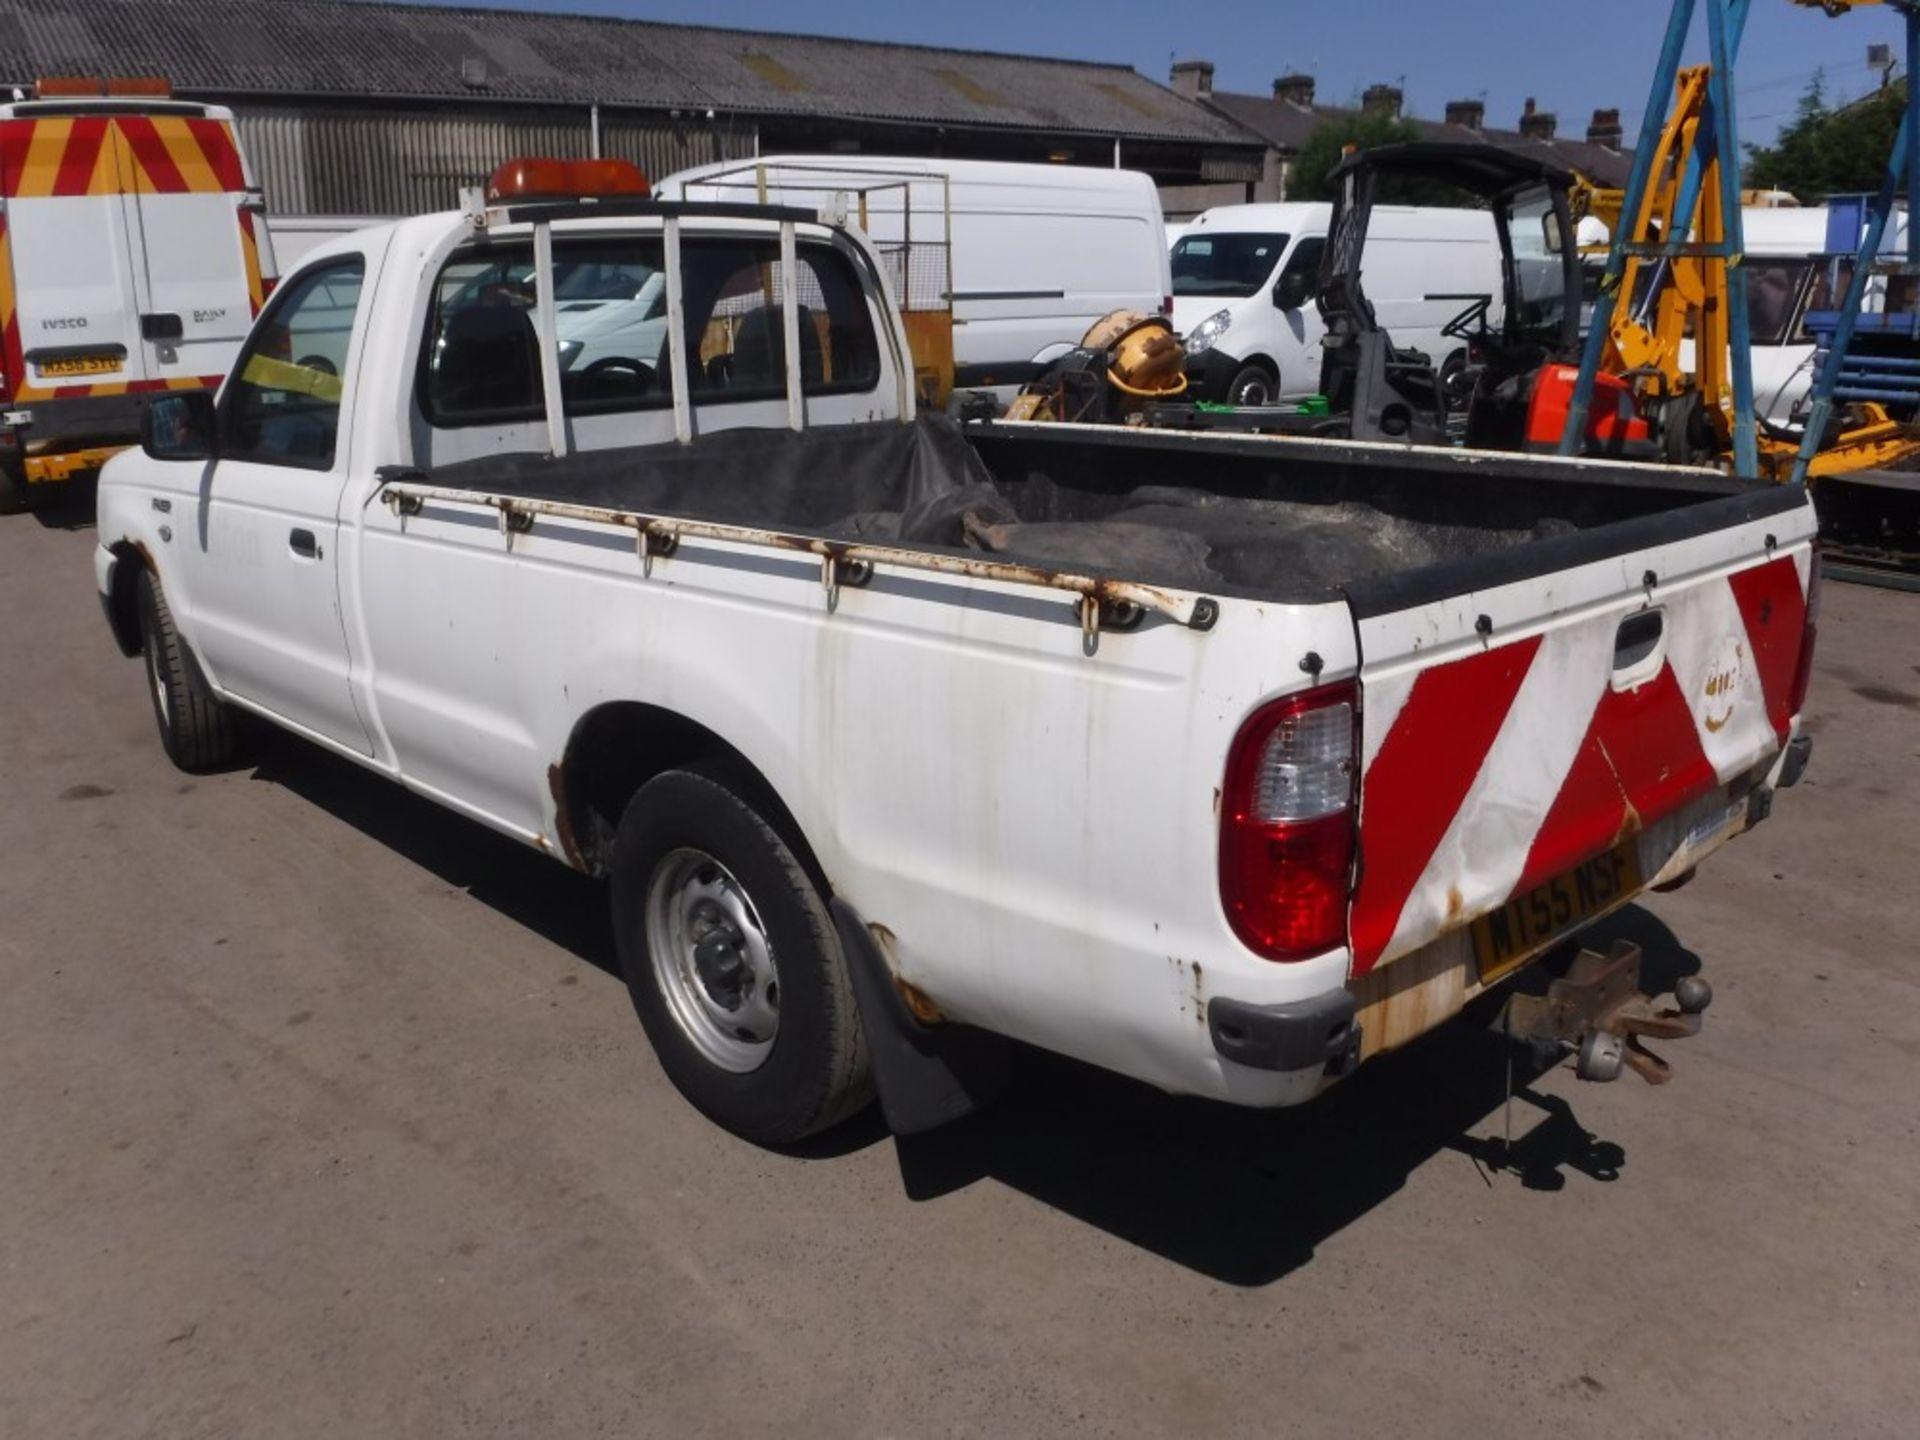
pixel 562 820
pixel 919 1004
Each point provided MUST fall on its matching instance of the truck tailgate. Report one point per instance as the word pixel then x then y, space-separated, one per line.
pixel 1526 716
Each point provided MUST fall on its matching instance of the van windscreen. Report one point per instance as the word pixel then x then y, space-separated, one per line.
pixel 1218 263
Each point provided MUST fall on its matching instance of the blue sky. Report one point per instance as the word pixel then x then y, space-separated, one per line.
pixel 1573 55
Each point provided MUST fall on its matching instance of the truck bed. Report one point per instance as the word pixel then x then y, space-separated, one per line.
pixel 1284 520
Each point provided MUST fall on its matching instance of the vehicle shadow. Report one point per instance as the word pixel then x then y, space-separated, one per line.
pixel 67 507
pixel 560 905
pixel 1244 1197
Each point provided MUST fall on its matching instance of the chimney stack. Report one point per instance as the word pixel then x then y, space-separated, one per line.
pixel 1384 100
pixel 1605 129
pixel 1295 90
pixel 1537 124
pixel 1193 78
pixel 1467 114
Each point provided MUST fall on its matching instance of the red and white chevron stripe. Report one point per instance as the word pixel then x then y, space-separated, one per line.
pixel 1485 776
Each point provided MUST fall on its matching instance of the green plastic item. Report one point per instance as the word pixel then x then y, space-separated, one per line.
pixel 1310 405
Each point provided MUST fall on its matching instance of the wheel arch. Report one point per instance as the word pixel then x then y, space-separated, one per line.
pixel 620 745
pixel 1259 360
pixel 131 561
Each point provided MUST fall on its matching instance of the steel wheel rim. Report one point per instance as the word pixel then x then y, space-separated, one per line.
pixel 1253 392
pixel 712 961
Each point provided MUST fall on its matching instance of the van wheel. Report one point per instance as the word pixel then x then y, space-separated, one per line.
pixel 14 495
pixel 196 727
pixel 733 962
pixel 1253 385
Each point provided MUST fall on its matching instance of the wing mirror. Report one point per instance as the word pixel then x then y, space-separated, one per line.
pixel 1293 289
pixel 179 426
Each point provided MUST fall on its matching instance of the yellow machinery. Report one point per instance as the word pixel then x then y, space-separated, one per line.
pixel 1125 360
pixel 1670 300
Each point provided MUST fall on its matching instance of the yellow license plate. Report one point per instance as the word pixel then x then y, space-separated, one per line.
pixel 1527 923
pixel 79 365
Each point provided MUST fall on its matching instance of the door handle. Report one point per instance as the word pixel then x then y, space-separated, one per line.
pixel 1639 649
pixel 301 542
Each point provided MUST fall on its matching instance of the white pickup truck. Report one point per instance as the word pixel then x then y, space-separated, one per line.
pixel 1226 763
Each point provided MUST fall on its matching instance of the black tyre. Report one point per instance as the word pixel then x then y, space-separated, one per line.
pixel 14 494
pixel 1252 385
pixel 733 962
pixel 196 728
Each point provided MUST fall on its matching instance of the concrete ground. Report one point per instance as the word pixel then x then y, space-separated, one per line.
pixel 323 1113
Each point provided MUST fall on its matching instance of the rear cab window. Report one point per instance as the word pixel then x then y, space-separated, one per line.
pixel 481 356
pixel 732 292
pixel 481 362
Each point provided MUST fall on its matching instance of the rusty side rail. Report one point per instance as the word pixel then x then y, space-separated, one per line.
pixel 1118 604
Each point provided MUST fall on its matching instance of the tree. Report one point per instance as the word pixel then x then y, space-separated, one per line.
pixel 1825 152
pixel 1363 130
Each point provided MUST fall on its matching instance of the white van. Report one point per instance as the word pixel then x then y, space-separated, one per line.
pixel 294 236
pixel 1039 252
pixel 1244 278
pixel 132 262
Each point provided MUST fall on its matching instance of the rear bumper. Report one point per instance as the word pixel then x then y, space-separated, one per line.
pixel 63 437
pixel 1317 1034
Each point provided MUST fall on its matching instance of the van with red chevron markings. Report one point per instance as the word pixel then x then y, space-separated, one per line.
pixel 133 259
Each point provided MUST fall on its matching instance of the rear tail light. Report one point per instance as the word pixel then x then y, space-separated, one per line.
pixel 1166 305
pixel 1286 824
pixel 1803 668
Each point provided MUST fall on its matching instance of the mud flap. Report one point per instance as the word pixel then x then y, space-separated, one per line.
pixel 927 1075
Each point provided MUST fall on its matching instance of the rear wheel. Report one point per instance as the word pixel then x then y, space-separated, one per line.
pixel 733 962
pixel 14 495
pixel 196 727
pixel 1252 385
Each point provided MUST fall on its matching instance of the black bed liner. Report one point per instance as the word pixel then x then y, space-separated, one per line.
pixel 1253 517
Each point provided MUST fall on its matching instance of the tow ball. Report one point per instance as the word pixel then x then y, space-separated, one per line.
pixel 1598 1012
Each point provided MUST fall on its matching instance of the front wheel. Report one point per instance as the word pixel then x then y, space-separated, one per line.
pixel 733 962
pixel 196 726
pixel 1252 385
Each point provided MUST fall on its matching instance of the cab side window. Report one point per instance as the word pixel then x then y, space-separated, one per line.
pixel 284 405
pixel 1305 262
pixel 736 344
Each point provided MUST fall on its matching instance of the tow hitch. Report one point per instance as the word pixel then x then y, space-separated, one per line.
pixel 1598 1011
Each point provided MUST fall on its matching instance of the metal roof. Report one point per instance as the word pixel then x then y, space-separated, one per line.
pixel 1286 126
pixel 355 49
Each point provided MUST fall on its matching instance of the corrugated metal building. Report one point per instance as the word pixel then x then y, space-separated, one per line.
pixel 352 107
